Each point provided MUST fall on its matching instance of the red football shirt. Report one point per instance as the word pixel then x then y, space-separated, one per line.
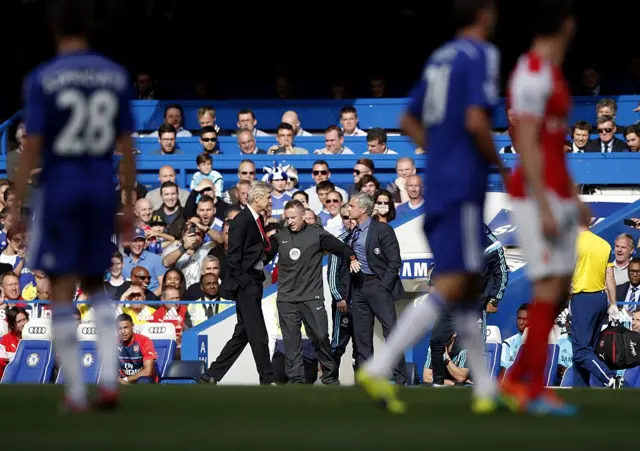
pixel 538 88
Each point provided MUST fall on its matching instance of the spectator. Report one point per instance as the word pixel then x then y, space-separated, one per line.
pixel 17 318
pixel 384 210
pixel 311 218
pixel 140 257
pixel 291 117
pixel 414 190
pixel 246 171
pixel 286 139
pixel 137 310
pixel 140 277
pixel 303 197
pixel 171 212
pixel 167 139
pixel 176 279
pixel 630 291
pixel 405 168
pixel 188 254
pixel 377 142
pixel 209 265
pixel 170 312
pixel 364 166
pixel 157 236
pixel 580 136
pixel 368 184
pixel 114 277
pixel 198 312
pixel 207 118
pixel 209 141
pixel 277 177
pixel 247 143
pixel 143 210
pixel 204 161
pixel 635 321
pixel 320 172
pixel 624 247
pixel 247 121
pixel 173 116
pixel 632 135
pixel 330 216
pixel 607 142
pixel 349 122
pixel 334 142
pixel 165 174
pixel 137 353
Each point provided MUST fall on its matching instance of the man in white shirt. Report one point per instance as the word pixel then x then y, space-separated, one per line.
pixel 320 173
pixel 349 122
pixel 166 174
pixel 377 142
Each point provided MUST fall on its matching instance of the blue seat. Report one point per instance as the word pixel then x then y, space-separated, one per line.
pixel 163 336
pixel 553 354
pixel 184 372
pixel 493 350
pixel 632 377
pixel 567 378
pixel 34 359
pixel 90 362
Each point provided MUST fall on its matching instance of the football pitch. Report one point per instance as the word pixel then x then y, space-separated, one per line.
pixel 184 418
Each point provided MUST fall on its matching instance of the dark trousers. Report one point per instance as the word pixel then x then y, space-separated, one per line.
pixel 280 375
pixel 369 302
pixel 342 333
pixel 440 337
pixel 588 315
pixel 314 317
pixel 251 330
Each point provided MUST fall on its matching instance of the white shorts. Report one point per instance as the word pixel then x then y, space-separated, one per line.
pixel 545 258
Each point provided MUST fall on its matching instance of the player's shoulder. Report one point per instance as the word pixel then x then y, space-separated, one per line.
pixel 532 72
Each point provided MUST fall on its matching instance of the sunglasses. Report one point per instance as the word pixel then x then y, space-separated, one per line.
pixel 142 277
pixel 605 130
pixel 209 140
pixel 248 172
pixel 332 201
pixel 320 172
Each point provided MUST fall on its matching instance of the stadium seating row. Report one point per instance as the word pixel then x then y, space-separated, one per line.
pixel 319 114
pixel 34 360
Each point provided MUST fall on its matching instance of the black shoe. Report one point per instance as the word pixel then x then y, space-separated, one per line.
pixel 207 379
pixel 619 382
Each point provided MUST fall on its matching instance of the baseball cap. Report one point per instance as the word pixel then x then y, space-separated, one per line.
pixel 138 233
pixel 157 220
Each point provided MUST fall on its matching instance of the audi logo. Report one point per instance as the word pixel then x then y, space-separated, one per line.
pixel 37 330
pixel 88 330
pixel 157 330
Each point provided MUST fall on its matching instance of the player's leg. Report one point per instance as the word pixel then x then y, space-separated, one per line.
pixel 99 228
pixel 549 267
pixel 66 346
pixel 54 250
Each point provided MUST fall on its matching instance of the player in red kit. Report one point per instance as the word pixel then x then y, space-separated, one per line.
pixel 545 204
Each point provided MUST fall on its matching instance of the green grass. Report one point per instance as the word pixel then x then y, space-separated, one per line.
pixel 302 418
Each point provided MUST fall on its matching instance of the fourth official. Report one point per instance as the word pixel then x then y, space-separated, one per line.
pixel 301 293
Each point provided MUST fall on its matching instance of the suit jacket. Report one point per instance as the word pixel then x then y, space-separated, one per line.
pixel 596 146
pixel 383 256
pixel 246 249
pixel 622 290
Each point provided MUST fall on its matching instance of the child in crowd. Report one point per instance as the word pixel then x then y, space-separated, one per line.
pixel 205 171
pixel 157 236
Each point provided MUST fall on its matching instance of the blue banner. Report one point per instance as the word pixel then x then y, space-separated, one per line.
pixel 203 349
pixel 416 268
pixel 504 229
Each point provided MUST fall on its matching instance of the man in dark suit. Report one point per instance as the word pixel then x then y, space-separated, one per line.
pixel 377 286
pixel 607 142
pixel 249 250
pixel 630 291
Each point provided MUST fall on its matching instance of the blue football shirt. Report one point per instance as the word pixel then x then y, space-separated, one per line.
pixel 463 73
pixel 79 104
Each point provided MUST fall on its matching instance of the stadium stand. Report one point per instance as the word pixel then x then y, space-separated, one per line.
pixel 616 169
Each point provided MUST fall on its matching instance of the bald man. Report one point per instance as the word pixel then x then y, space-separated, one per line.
pixel 291 117
pixel 166 174
pixel 143 210
pixel 414 189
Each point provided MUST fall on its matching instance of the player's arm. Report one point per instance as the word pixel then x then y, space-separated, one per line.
pixel 410 122
pixel 483 77
pixel 610 283
pixel 146 371
pixel 412 127
pixel 29 159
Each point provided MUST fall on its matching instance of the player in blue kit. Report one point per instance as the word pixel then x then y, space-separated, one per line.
pixel 76 111
pixel 451 107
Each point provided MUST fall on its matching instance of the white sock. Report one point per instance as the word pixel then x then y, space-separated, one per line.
pixel 466 325
pixel 103 313
pixel 68 353
pixel 412 325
